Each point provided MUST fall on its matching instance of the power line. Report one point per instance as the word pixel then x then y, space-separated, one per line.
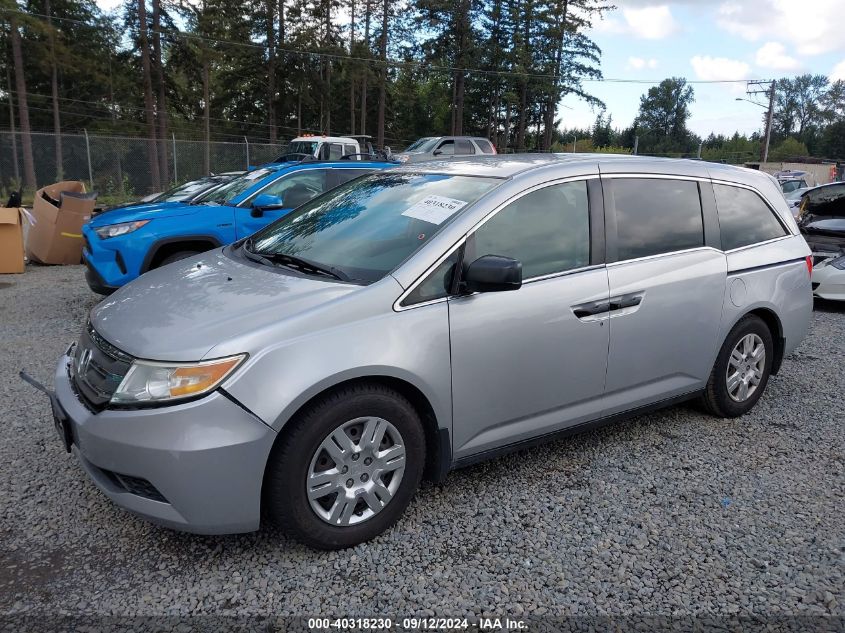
pixel 388 62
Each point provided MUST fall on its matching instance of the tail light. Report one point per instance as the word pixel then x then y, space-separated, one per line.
pixel 809 260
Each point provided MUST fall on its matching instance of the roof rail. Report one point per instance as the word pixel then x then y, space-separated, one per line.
pixel 370 156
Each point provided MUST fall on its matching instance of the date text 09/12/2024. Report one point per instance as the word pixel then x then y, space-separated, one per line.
pixel 416 624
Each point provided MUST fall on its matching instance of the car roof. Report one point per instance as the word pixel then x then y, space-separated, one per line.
pixel 509 165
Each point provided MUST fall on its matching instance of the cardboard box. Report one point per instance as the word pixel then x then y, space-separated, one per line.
pixel 11 240
pixel 59 212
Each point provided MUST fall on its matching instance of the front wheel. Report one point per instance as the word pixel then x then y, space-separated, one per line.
pixel 347 468
pixel 178 256
pixel 742 369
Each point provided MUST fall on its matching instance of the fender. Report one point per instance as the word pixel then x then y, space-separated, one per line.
pixel 156 246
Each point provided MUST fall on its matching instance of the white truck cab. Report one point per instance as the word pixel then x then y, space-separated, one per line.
pixel 331 147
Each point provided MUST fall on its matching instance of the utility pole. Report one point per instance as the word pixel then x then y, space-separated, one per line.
pixel 769 90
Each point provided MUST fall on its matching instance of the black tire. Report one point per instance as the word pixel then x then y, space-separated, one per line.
pixel 177 256
pixel 285 498
pixel 716 399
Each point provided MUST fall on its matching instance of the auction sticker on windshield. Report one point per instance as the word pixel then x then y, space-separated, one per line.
pixel 434 209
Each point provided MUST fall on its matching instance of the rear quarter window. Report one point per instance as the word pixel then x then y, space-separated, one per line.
pixel 484 145
pixel 745 218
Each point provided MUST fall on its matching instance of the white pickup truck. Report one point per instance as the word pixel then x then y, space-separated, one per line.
pixel 332 148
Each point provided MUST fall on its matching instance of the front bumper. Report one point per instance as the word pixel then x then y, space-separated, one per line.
pixel 95 281
pixel 196 466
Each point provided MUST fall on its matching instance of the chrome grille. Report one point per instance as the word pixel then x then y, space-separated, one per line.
pixel 97 368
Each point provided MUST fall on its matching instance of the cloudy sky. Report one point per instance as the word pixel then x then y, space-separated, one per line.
pixel 711 40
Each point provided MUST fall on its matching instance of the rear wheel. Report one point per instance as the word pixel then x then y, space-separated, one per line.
pixel 742 369
pixel 175 257
pixel 347 468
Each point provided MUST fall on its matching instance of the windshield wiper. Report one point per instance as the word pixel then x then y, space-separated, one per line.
pixel 292 261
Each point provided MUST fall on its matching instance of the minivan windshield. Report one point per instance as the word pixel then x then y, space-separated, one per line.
pixel 231 190
pixel 367 227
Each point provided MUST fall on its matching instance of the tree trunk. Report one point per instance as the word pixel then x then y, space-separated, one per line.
pixel 149 109
pixel 161 98
pixel 351 73
pixel 54 88
pixel 271 68
pixel 382 85
pixel 23 107
pixel 554 93
pixel 507 131
pixel 459 103
pixel 366 73
pixel 282 106
pixel 522 121
pixel 206 115
pixel 329 97
pixel 16 170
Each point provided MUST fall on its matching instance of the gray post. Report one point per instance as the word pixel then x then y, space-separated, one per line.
pixel 769 115
pixel 246 140
pixel 636 144
pixel 88 153
pixel 574 142
pixel 699 150
pixel 175 172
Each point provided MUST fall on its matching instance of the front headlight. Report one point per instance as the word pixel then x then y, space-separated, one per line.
pixel 148 381
pixel 839 262
pixel 113 230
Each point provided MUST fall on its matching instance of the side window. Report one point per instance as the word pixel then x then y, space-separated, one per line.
pixel 548 230
pixel 436 285
pixel 484 145
pixel 296 188
pixel 655 216
pixel 337 177
pixel 744 218
pixel 335 151
pixel 350 149
pixel 447 148
pixel 464 147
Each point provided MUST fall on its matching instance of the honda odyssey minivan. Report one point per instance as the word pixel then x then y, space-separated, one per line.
pixel 424 318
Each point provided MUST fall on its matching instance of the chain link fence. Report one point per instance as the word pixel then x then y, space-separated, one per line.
pixel 118 167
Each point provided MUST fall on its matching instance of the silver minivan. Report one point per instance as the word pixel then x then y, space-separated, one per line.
pixel 424 318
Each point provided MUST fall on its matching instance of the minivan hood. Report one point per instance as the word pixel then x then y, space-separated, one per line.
pixel 180 311
pixel 142 212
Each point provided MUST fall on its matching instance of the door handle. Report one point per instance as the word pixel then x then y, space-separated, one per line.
pixel 627 301
pixel 590 309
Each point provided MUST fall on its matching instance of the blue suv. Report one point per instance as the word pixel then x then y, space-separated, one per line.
pixel 124 243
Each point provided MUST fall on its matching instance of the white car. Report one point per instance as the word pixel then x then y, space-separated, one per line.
pixel 829 278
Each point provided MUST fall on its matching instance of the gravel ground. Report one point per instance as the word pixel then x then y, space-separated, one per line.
pixel 671 513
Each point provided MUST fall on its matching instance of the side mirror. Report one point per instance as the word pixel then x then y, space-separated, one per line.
pixel 493 273
pixel 262 201
pixel 437 152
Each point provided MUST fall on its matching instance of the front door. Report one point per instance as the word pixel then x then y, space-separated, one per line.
pixel 293 189
pixel 530 361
